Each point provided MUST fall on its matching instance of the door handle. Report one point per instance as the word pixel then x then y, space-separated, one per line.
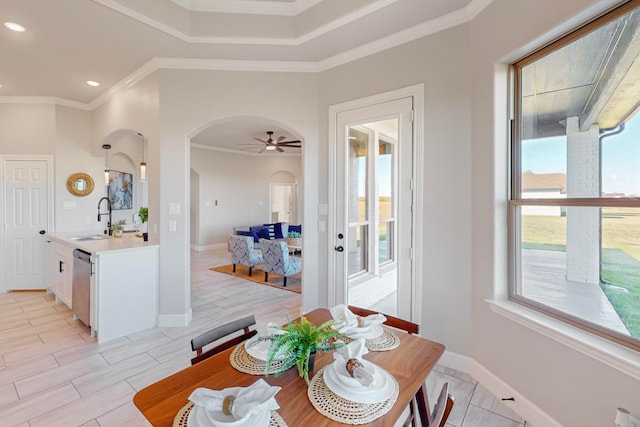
pixel 61 266
pixel 42 232
pixel 339 249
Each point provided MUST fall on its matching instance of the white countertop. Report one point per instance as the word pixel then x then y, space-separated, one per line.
pixel 128 241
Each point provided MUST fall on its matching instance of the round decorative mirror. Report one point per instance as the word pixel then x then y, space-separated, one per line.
pixel 80 184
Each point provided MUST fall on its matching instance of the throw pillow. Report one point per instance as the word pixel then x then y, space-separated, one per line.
pixel 295 228
pixel 262 232
pixel 275 230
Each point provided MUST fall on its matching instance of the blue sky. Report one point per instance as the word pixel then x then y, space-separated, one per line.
pixel 620 158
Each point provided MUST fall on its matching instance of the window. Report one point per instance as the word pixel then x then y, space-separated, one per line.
pixel 575 178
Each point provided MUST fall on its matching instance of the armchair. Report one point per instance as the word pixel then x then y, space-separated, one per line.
pixel 277 260
pixel 243 252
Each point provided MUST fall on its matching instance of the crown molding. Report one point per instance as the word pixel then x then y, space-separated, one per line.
pixel 418 31
pixel 424 29
pixel 242 153
pixel 248 6
pixel 272 41
pixel 47 100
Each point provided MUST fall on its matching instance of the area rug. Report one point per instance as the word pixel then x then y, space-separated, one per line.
pixel 294 282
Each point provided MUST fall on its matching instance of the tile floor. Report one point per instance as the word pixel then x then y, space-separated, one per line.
pixel 54 374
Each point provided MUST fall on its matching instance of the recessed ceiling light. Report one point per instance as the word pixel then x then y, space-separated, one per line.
pixel 14 27
pixel 92 83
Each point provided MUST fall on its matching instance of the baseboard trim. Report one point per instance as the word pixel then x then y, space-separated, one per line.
pixel 521 405
pixel 198 248
pixel 175 320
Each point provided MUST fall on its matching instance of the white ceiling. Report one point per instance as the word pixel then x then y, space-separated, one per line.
pixel 68 42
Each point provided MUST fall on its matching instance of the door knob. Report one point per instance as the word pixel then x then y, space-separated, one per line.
pixel 42 232
pixel 339 249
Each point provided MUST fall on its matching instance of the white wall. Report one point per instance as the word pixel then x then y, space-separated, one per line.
pixel 193 100
pixel 574 389
pixel 73 154
pixel 440 62
pixel 240 185
pixel 27 128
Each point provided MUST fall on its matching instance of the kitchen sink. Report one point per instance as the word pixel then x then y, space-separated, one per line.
pixel 92 237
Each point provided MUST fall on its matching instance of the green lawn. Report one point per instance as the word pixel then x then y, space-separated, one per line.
pixel 621 277
pixel 620 255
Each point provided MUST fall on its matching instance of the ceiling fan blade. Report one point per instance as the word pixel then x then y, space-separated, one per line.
pixel 251 143
pixel 280 138
pixel 261 151
pixel 258 139
pixel 280 150
pixel 292 146
pixel 289 142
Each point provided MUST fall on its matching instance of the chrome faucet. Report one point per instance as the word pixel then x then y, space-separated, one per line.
pixel 108 230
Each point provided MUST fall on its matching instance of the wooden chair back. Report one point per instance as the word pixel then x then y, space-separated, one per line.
pixel 442 408
pixel 394 322
pixel 222 331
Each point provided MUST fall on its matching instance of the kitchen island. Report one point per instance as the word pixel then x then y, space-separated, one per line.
pixel 123 281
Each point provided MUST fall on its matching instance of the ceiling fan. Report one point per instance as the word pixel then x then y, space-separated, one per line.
pixel 270 144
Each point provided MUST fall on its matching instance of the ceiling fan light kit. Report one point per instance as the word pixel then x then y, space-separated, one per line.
pixel 274 145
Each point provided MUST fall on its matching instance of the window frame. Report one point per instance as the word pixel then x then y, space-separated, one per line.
pixel 516 201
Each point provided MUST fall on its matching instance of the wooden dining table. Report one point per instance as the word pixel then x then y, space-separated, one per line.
pixel 409 364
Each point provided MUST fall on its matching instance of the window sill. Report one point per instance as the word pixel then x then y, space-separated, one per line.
pixel 616 356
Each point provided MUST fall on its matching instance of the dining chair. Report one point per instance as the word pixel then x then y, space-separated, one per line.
pixel 442 408
pixel 394 322
pixel 404 325
pixel 222 331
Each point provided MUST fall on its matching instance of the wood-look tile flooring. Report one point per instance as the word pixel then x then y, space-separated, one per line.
pixel 54 374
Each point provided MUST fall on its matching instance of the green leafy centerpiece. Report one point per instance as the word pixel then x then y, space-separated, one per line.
pixel 298 344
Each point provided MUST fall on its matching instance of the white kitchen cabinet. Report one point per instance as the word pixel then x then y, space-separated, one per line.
pixel 125 292
pixel 123 287
pixel 64 284
pixel 52 267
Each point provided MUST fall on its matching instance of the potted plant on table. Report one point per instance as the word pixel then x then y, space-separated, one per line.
pixel 298 345
pixel 143 213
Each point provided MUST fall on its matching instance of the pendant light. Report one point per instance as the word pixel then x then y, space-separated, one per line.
pixel 106 148
pixel 143 164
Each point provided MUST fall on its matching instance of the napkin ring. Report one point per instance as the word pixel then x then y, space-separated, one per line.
pixel 227 404
pixel 352 364
pixel 360 322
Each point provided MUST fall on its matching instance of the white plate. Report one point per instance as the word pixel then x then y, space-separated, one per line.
pixel 368 332
pixel 259 350
pixel 382 389
pixel 200 417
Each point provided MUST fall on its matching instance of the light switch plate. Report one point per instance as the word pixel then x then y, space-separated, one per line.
pixel 174 208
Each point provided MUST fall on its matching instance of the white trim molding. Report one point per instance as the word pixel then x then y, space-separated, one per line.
pixel 417 93
pixel 520 405
pixel 611 354
pixel 252 7
pixel 175 320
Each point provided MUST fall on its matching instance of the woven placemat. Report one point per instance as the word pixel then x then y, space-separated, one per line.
pixel 385 342
pixel 342 410
pixel 244 362
pixel 183 414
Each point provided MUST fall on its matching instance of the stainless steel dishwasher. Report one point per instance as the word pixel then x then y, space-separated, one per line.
pixel 80 293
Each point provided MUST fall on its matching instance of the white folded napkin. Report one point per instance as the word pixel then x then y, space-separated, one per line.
pixel 346 321
pixel 258 397
pixel 354 350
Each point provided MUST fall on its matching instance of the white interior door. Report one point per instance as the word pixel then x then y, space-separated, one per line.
pixel 26 204
pixel 283 203
pixel 373 199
